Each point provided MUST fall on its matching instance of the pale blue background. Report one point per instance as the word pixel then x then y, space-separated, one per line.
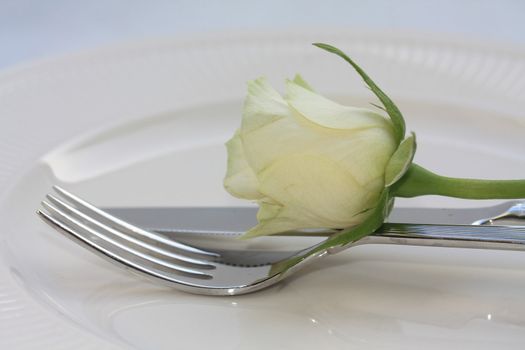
pixel 34 29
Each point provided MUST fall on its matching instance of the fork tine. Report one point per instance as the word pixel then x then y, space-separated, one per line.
pixel 126 227
pixel 82 233
pixel 113 232
pixel 111 256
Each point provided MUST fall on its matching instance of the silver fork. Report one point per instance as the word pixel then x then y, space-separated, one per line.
pixel 226 271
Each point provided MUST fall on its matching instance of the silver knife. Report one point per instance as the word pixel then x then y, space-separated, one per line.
pixel 237 220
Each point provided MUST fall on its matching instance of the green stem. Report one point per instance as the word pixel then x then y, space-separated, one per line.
pixel 418 181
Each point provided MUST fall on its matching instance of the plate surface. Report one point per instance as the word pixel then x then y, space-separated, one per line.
pixel 144 124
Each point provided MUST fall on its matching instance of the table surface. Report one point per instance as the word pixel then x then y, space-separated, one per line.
pixel 33 29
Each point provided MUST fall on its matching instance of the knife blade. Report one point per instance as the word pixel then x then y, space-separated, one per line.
pixel 237 220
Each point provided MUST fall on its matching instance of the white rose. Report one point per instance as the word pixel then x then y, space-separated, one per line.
pixel 308 162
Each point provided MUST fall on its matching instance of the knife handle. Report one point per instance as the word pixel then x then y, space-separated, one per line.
pixel 456 236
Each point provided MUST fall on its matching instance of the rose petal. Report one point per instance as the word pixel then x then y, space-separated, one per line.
pixel 240 179
pixel 330 114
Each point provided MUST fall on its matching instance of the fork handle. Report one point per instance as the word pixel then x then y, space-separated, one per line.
pixel 456 236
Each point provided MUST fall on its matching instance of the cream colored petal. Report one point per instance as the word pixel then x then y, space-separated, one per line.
pixel 274 218
pixel 314 192
pixel 298 79
pixel 282 137
pixel 262 106
pixel 329 114
pixel 363 153
pixel 240 180
pixel 268 209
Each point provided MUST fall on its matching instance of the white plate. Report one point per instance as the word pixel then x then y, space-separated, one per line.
pixel 153 117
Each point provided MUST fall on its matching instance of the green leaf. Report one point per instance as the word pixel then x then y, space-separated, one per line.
pixel 393 112
pixel 400 161
pixel 378 106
